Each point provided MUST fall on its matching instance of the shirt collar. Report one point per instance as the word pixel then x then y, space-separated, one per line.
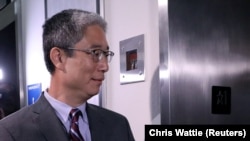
pixel 63 110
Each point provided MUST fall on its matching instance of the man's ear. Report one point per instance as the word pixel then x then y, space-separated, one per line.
pixel 58 58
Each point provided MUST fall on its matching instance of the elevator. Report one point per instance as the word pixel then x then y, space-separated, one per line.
pixel 204 61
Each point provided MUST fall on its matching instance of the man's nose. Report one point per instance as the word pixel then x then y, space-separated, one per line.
pixel 103 64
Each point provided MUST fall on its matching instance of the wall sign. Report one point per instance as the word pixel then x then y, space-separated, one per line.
pixel 132 60
pixel 34 92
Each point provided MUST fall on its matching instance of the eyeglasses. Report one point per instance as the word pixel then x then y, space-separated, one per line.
pixel 98 54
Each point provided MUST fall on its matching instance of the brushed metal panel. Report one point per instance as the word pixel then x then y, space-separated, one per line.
pixel 54 6
pixel 208 46
pixel 20 53
pixel 132 60
pixel 7 14
pixel 164 64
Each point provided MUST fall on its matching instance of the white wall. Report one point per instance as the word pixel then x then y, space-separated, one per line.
pixel 33 17
pixel 139 102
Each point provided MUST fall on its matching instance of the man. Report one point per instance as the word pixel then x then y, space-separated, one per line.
pixel 76 53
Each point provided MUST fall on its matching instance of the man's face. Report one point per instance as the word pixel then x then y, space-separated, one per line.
pixel 84 75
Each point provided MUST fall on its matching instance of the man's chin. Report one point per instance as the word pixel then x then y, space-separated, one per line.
pixel 91 95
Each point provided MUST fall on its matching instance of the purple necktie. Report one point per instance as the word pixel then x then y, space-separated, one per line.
pixel 74 132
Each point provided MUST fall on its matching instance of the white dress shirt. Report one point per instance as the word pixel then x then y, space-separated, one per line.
pixel 62 111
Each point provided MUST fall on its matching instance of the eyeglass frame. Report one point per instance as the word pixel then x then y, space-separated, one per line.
pixel 104 53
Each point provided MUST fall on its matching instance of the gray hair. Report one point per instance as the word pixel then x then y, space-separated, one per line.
pixel 65 29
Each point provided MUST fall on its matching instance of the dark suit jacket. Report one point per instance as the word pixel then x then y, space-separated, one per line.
pixel 39 122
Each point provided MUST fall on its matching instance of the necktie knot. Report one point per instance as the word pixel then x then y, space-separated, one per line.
pixel 74 132
pixel 74 114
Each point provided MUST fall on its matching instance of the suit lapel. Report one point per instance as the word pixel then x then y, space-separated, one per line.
pixel 48 122
pixel 96 124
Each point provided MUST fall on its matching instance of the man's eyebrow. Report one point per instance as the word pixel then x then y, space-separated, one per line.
pixel 98 46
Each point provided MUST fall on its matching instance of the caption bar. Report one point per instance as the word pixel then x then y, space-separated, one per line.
pixel 158 132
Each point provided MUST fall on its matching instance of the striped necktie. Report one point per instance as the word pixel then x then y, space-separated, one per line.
pixel 74 132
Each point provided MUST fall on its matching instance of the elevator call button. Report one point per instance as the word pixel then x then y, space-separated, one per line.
pixel 221 100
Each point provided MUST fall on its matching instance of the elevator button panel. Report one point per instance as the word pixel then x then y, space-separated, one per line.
pixel 221 100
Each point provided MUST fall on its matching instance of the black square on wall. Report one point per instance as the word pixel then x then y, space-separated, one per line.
pixel 221 100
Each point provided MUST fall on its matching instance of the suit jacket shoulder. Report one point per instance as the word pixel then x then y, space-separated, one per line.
pixel 37 122
pixel 108 125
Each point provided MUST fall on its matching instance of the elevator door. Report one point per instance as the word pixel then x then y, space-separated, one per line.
pixel 208 46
